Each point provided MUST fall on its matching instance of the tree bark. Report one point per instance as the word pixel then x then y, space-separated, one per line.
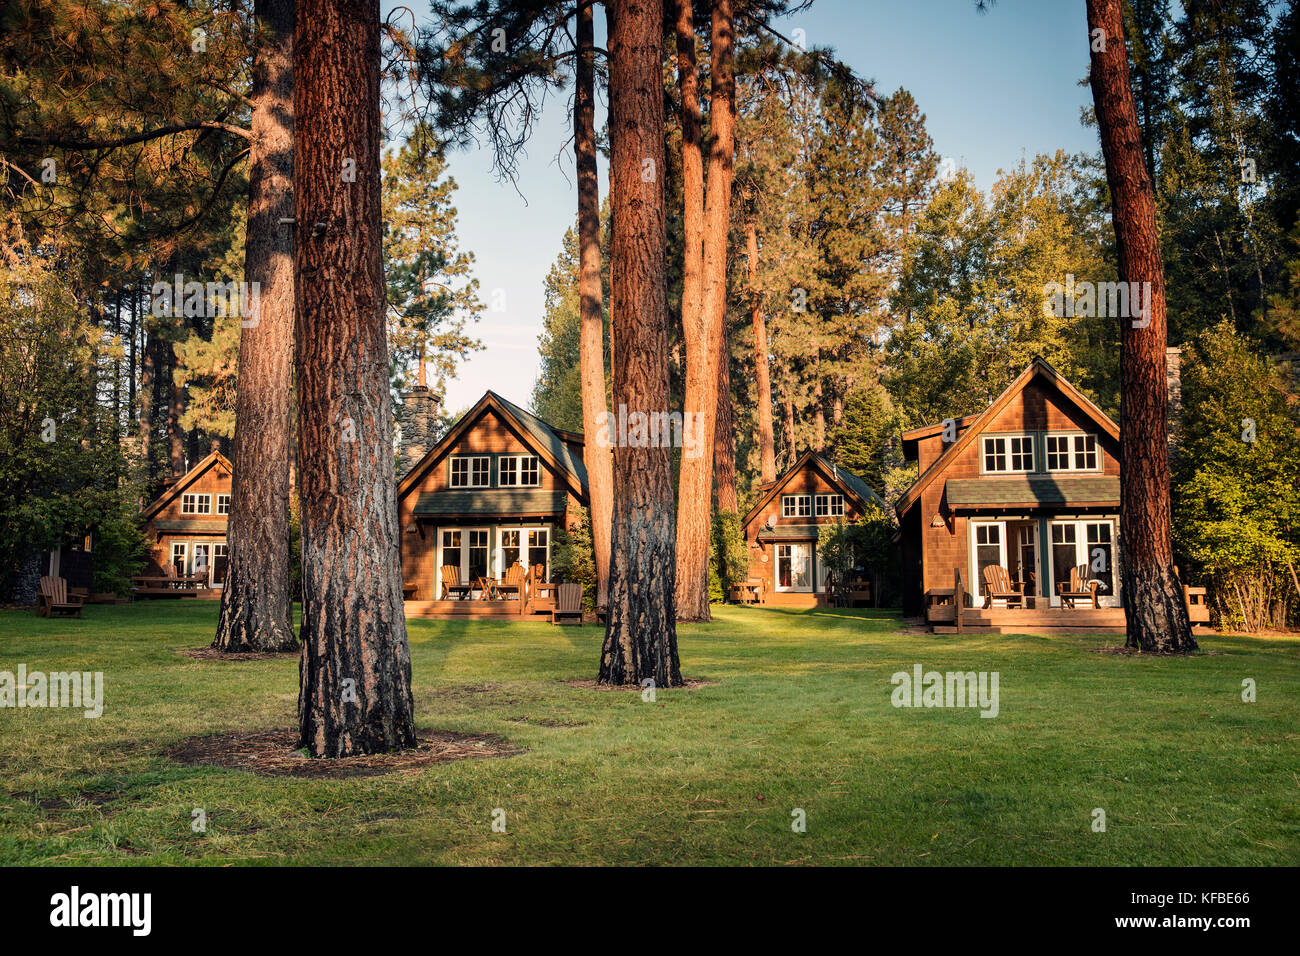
pixel 1153 596
pixel 640 632
pixel 596 455
pixel 703 337
pixel 724 435
pixel 256 607
pixel 175 409
pixel 355 693
pixel 762 372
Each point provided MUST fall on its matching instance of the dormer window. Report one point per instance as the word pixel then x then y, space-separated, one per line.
pixel 471 472
pixel 1071 452
pixel 796 506
pixel 196 504
pixel 830 506
pixel 1008 454
pixel 518 471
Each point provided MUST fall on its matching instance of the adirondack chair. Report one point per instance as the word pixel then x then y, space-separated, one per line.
pixel 568 605
pixel 513 583
pixel 451 583
pixel 998 586
pixel 54 598
pixel 1079 588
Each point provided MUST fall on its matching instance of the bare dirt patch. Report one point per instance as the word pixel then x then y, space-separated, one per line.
pixel 212 654
pixel 1134 652
pixel 271 753
pixel 691 684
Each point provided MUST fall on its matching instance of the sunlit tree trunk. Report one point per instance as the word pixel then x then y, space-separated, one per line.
pixel 355 694
pixel 256 608
pixel 641 633
pixel 762 371
pixel 703 337
pixel 724 434
pixel 596 455
pixel 1153 598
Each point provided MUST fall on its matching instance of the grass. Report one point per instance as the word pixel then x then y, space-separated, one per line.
pixel 799 717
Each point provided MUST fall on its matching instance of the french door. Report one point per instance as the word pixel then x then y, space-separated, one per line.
pixel 1089 542
pixel 465 549
pixel 527 545
pixel 794 570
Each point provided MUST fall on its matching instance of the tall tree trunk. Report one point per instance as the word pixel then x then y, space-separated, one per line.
pixel 1153 597
pixel 762 372
pixel 703 340
pixel 355 694
pixel 787 408
pixel 724 435
pixel 175 409
pixel 596 455
pixel 641 630
pixel 146 399
pixel 256 608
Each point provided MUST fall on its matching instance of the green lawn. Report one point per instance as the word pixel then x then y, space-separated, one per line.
pixel 799 717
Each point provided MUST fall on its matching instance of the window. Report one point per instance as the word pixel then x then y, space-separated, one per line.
pixel 793 567
pixel 796 506
pixel 220 561
pixel 196 504
pixel 830 505
pixel 539 552
pixel 223 504
pixel 478 554
pixel 518 470
pixel 470 472
pixel 509 548
pixel 1009 453
pixel 1071 452
pixel 451 549
pixel 988 550
pixel 179 563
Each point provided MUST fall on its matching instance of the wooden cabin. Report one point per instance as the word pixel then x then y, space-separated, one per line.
pixel 1030 485
pixel 185 527
pixel 781 529
pixel 491 492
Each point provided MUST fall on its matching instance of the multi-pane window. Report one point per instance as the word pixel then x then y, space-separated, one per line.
pixel 1071 452
pixel 470 472
pixel 518 471
pixel 196 504
pixel 796 506
pixel 451 549
pixel 830 506
pixel 1009 453
pixel 223 504
pixel 179 556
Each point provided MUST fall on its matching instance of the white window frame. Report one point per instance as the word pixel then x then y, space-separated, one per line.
pixel 517 468
pixel 1082 555
pixel 196 503
pixel 828 506
pixel 183 548
pixel 1006 454
pixel 223 500
pixel 1075 457
pixel 469 461
pixel 796 506
pixel 811 552
pixel 976 585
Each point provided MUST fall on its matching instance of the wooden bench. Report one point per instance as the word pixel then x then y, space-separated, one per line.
pixel 161 585
pixel 53 598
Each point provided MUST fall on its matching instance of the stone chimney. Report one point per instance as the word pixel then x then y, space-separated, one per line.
pixel 419 421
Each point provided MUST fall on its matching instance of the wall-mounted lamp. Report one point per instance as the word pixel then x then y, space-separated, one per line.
pixel 937 521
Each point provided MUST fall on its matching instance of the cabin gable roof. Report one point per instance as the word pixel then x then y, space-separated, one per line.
pixel 535 434
pixel 1038 368
pixel 187 479
pixel 847 482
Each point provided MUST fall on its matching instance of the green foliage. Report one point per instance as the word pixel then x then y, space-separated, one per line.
pixel 1237 479
pixel 573 557
pixel 869 430
pixel 863 548
pixel 729 561
pixel 432 293
pixel 62 472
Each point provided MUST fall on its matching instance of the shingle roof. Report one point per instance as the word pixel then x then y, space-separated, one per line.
pixel 491 502
pixel 544 434
pixel 1032 490
pixel 854 483
pixel 212 526
pixel 790 532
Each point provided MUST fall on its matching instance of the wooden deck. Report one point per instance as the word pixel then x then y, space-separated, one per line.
pixel 460 610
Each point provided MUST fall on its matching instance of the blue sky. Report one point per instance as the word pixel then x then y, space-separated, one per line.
pixel 995 87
